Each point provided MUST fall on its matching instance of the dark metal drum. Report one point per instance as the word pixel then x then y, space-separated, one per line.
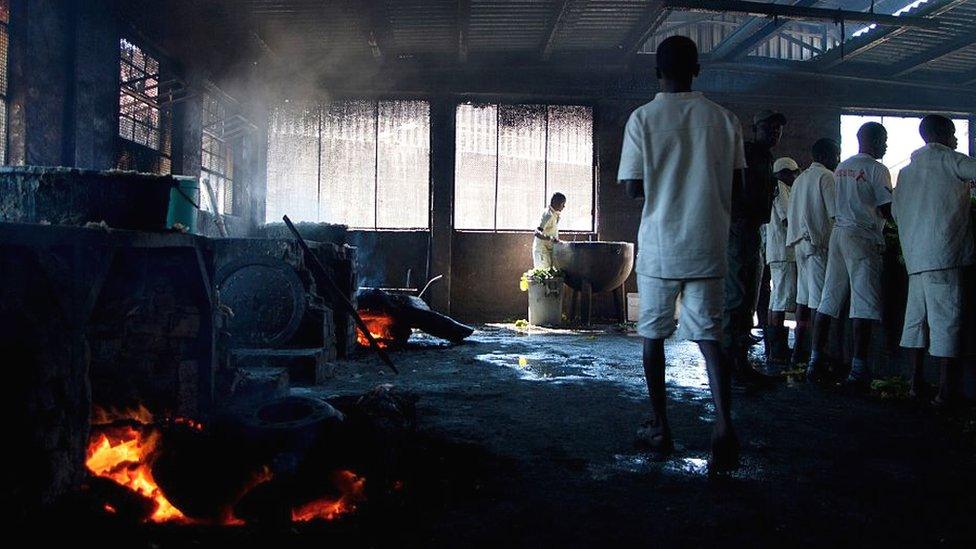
pixel 605 265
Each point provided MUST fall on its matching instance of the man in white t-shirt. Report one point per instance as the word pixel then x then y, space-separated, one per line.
pixel 680 154
pixel 782 266
pixel 854 261
pixel 932 207
pixel 547 233
pixel 809 223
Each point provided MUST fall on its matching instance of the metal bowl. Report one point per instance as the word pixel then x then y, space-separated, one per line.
pixel 604 265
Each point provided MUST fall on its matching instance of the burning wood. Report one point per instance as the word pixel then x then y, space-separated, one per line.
pixel 126 448
pixel 391 318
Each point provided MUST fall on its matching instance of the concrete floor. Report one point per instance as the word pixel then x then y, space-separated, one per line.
pixel 556 413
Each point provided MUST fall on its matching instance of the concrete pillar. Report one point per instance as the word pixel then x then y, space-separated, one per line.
pixel 95 89
pixel 442 131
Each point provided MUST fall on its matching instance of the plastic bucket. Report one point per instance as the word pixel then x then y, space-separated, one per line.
pixel 546 302
pixel 184 200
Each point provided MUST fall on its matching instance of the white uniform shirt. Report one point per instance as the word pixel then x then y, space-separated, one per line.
pixel 812 202
pixel 776 249
pixel 550 227
pixel 685 148
pixel 931 205
pixel 863 184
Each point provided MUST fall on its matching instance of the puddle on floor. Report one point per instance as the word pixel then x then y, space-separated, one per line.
pixel 692 466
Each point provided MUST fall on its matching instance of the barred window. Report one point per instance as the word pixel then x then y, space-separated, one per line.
pixel 512 158
pixel 4 52
pixel 143 120
pixel 362 163
pixel 216 159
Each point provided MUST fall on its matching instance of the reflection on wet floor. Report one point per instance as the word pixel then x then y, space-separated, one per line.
pixel 566 356
pixel 677 466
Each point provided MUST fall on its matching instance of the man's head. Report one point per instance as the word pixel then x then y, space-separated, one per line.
pixel 557 202
pixel 827 152
pixel 786 169
pixel 872 139
pixel 768 126
pixel 677 61
pixel 938 129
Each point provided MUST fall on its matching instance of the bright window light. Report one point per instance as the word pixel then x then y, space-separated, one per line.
pixel 903 138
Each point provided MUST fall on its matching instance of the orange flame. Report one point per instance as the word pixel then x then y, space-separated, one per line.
pixel 124 455
pixel 351 487
pixel 380 327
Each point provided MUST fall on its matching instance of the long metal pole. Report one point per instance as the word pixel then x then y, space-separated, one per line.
pixel 762 9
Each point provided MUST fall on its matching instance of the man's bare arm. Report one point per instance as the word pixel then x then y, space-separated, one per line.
pixel 635 188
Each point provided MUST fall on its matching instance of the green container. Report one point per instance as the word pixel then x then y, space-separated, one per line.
pixel 184 200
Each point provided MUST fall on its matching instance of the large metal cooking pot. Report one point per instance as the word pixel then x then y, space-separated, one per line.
pixel 605 265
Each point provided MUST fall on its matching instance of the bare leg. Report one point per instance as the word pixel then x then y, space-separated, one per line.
pixel 803 314
pixel 725 444
pixel 657 433
pixel 948 380
pixel 861 331
pixel 821 329
pixel 916 357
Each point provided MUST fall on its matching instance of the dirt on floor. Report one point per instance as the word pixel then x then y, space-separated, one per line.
pixel 529 442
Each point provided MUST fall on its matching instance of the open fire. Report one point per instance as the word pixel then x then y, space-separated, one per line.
pixel 381 327
pixel 123 447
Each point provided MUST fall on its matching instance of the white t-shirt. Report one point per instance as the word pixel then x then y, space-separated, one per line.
pixel 550 227
pixel 863 184
pixel 812 202
pixel 931 206
pixel 776 249
pixel 685 148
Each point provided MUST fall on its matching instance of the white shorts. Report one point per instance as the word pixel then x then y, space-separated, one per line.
pixel 854 267
pixel 782 296
pixel 811 269
pixel 933 314
pixel 702 300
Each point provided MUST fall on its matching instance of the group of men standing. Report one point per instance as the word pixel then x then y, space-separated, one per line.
pixel 709 196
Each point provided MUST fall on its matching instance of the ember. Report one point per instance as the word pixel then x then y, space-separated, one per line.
pixel 352 488
pixel 124 454
pixel 380 327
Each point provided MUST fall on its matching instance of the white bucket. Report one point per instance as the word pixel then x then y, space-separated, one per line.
pixel 546 302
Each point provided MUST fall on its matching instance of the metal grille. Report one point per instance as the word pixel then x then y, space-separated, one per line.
pixel 4 53
pixel 143 120
pixel 216 159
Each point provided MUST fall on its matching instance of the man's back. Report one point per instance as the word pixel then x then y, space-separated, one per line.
pixel 685 148
pixel 863 184
pixel 931 205
pixel 812 205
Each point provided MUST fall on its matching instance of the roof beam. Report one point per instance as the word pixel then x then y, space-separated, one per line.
pixel 464 26
pixel 559 19
pixel 645 28
pixel 762 9
pixel 918 61
pixel 876 37
pixel 750 34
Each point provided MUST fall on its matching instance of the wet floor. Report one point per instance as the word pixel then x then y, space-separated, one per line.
pixel 561 407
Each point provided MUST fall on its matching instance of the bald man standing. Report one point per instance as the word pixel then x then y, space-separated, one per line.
pixel 932 207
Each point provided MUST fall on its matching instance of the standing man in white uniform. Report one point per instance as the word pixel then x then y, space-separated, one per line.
pixel 782 265
pixel 931 205
pixel 680 155
pixel 809 223
pixel 547 233
pixel 854 262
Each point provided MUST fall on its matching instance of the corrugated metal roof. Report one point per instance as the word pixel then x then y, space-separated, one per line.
pixel 433 28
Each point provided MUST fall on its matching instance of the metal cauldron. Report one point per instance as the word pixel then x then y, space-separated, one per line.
pixel 604 265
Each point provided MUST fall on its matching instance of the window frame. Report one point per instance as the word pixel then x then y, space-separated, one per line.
pixel 594 165
pixel 164 131
pixel 229 149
